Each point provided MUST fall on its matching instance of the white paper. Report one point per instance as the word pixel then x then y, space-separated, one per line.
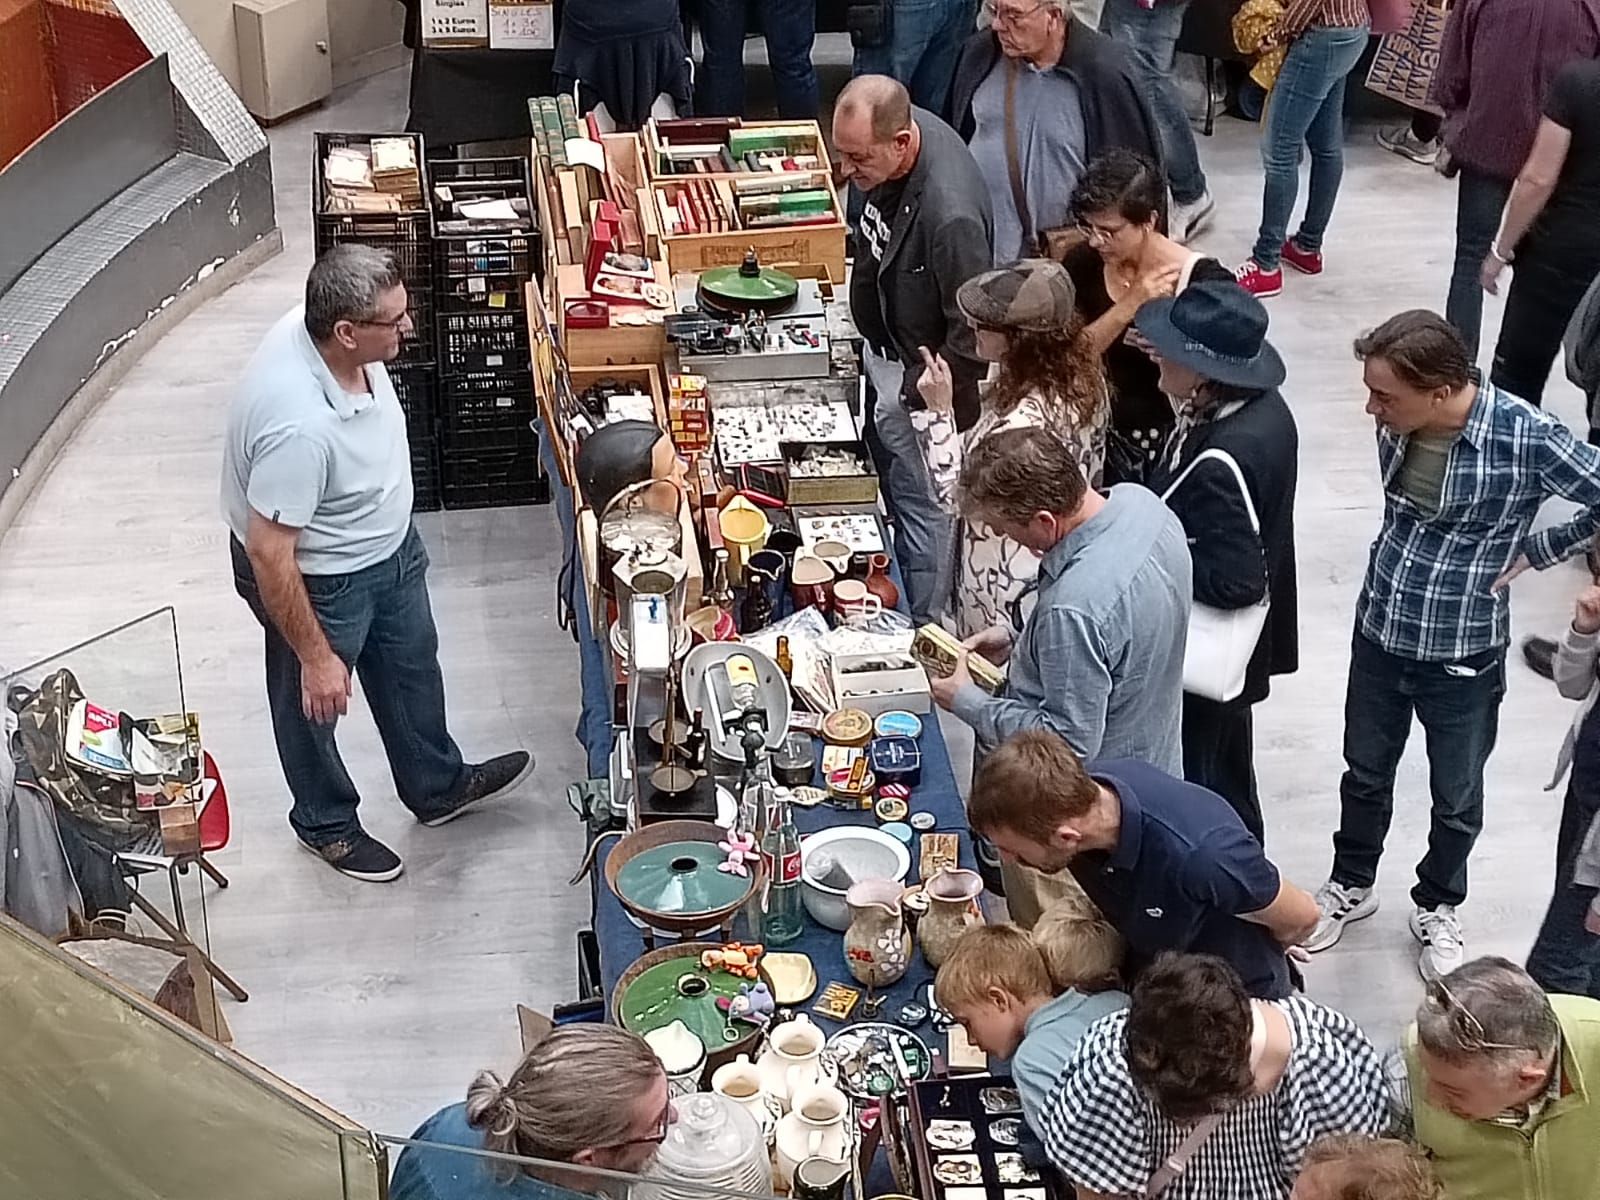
pixel 489 210
pixel 522 25
pixel 582 152
pixel 458 21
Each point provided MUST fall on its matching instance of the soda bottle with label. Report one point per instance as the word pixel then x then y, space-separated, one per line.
pixel 780 854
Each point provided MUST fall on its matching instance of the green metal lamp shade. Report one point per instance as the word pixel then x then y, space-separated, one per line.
pixel 678 878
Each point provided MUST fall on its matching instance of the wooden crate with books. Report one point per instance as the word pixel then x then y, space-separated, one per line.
pixel 790 219
pixel 730 146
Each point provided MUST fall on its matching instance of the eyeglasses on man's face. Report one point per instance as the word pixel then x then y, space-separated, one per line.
pixel 1010 14
pixel 1464 1027
pixel 385 323
pixel 657 1135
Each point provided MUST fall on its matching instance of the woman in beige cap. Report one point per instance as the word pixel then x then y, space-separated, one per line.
pixel 1024 316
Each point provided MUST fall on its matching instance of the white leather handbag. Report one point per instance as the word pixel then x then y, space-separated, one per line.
pixel 1221 640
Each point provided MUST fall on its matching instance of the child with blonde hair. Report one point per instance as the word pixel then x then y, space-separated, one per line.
pixel 1353 1167
pixel 1032 997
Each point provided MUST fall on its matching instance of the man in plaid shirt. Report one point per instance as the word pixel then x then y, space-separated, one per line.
pixel 1465 470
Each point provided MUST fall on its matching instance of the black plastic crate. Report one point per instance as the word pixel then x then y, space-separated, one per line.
pixel 488 478
pixel 479 351
pixel 329 228
pixel 482 179
pixel 493 401
pixel 427 494
pixel 513 432
pixel 510 257
pixel 416 386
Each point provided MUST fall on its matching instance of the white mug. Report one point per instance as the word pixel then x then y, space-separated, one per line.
pixel 853 602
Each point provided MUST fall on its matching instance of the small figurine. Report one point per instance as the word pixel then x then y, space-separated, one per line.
pixel 741 851
pixel 753 1004
pixel 735 958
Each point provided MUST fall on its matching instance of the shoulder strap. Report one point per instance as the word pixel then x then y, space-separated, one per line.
pixel 1222 456
pixel 1178 1161
pixel 1019 197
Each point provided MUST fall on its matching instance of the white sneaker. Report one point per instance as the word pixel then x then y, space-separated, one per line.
pixel 1339 906
pixel 1191 219
pixel 1439 931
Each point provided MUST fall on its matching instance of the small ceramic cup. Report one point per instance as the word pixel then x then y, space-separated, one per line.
pixel 835 554
pixel 711 624
pixel 852 601
pixel 811 582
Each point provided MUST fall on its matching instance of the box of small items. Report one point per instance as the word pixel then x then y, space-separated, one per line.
pixel 880 681
pixel 829 472
pixel 971 1143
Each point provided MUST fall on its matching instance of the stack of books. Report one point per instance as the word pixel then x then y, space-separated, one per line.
pixel 380 177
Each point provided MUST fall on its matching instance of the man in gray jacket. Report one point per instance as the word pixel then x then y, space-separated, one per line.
pixel 926 228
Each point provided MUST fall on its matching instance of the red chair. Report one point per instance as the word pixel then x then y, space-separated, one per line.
pixel 215 824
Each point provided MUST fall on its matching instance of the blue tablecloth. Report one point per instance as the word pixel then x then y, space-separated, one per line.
pixel 620 940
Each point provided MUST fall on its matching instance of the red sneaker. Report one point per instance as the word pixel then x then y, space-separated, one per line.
pixel 1307 262
pixel 1258 282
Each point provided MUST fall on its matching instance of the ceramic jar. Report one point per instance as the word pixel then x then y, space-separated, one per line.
pixel 682 1055
pixel 952 910
pixel 817 1126
pixel 740 1082
pixel 879 583
pixel 714 1143
pixel 877 946
pixel 792 1059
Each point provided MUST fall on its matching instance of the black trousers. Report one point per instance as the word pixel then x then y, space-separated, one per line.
pixel 1219 753
pixel 1566 956
pixel 1548 279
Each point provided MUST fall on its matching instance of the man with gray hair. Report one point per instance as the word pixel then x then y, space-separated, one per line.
pixel 1500 1084
pixel 316 490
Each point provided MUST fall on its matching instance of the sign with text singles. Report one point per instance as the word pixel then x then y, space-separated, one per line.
pixel 1405 62
pixel 522 25
pixel 455 22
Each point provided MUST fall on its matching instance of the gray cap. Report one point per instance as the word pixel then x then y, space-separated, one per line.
pixel 1035 294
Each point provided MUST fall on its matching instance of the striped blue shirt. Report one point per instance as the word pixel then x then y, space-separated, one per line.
pixel 1427 592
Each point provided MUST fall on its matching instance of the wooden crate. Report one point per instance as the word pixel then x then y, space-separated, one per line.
pixel 645 376
pixel 808 130
pixel 820 246
pixel 613 346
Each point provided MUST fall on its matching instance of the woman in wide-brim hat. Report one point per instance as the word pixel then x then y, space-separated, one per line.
pixel 1222 376
pixel 1025 320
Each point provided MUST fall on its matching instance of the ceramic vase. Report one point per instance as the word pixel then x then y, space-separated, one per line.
pixel 879 583
pixel 815 1127
pixel 792 1059
pixel 877 946
pixel 952 910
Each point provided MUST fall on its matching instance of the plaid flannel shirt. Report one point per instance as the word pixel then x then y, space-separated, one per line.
pixel 1427 592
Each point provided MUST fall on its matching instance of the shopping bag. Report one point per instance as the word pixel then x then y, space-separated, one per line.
pixel 1403 67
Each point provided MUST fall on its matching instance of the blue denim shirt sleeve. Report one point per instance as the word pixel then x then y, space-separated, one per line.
pixel 1073 696
pixel 1568 468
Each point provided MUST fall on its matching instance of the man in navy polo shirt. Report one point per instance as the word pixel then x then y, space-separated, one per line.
pixel 1170 864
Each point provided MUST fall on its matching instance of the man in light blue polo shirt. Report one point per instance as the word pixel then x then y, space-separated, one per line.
pixel 316 489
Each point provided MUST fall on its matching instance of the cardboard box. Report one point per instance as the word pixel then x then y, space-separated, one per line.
pixel 879 691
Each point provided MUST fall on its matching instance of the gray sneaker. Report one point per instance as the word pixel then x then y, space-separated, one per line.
pixel 1443 948
pixel 1339 905
pixel 484 781
pixel 1400 140
pixel 1191 219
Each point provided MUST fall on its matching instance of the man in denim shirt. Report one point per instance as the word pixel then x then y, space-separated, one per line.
pixel 1465 468
pixel 1100 660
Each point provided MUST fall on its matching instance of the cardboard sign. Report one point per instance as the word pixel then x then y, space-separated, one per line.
pixel 1405 62
pixel 455 22
pixel 522 25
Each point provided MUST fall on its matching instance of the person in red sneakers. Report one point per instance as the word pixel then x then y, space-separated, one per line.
pixel 1325 38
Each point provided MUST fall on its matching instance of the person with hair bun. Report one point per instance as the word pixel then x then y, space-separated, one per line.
pixel 1194 1064
pixel 591 1096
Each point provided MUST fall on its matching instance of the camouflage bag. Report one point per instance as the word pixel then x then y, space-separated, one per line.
pixel 102 800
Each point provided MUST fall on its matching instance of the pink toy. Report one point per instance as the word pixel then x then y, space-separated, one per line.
pixel 741 851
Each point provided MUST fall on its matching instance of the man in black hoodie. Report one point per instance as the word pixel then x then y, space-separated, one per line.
pixel 925 229
pixel 1037 96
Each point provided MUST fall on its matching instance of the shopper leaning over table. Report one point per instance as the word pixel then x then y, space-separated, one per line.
pixel 925 229
pixel 1199 1092
pixel 1465 469
pixel 1304 113
pixel 1099 661
pixel 1229 473
pixel 583 1096
pixel 1023 319
pixel 316 490
pixel 1497 1082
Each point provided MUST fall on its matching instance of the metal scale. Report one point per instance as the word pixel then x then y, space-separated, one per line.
pixel 749 322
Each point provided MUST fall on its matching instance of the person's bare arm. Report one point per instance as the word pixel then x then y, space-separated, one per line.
pixel 324 678
pixel 1529 194
pixel 1290 917
pixel 1104 330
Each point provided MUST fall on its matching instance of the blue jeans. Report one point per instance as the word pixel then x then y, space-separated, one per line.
pixel 922 530
pixel 1566 956
pixel 378 620
pixel 1480 199
pixel 924 38
pixel 1306 106
pixel 1151 35
pixel 789 26
pixel 1458 705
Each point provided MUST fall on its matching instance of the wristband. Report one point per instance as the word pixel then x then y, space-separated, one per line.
pixel 1499 257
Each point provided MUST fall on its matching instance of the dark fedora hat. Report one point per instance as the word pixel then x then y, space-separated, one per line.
pixel 1216 328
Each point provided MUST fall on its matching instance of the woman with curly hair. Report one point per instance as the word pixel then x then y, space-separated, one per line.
pixel 1025 320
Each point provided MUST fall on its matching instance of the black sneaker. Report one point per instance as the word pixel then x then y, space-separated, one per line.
pixel 485 781
pixel 1540 653
pixel 360 856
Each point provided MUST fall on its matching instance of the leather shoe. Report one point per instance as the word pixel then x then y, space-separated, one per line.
pixel 1539 653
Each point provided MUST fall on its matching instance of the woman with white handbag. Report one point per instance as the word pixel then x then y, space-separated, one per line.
pixel 1228 473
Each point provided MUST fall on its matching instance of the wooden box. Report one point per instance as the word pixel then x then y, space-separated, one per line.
pixel 644 375
pixel 612 346
pixel 830 489
pixel 819 245
pixel 804 137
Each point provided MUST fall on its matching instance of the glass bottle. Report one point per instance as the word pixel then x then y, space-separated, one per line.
pixel 783 658
pixel 721 591
pixel 783 920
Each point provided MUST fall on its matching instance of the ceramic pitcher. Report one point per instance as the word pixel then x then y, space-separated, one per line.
pixel 740 1081
pixel 793 1058
pixel 816 1127
pixel 952 910
pixel 682 1055
pixel 877 945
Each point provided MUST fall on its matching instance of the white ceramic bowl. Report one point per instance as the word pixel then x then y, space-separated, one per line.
pixel 862 850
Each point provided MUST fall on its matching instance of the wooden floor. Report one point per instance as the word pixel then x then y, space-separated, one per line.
pixel 385 999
